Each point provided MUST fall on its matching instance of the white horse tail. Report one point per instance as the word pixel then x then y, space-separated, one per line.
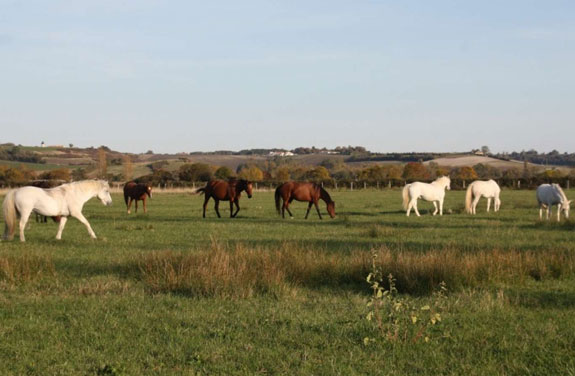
pixel 10 215
pixel 468 198
pixel 405 194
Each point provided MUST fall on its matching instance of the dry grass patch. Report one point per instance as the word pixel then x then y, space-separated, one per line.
pixel 241 272
pixel 25 268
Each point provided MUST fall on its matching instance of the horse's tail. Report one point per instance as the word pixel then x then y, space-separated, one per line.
pixel 277 196
pixel 126 197
pixel 468 197
pixel 200 190
pixel 405 194
pixel 10 215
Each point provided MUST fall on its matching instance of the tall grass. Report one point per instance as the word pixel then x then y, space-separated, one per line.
pixel 244 272
pixel 25 268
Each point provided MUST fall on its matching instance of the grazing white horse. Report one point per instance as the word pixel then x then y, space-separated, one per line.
pixel 64 200
pixel 488 189
pixel 434 192
pixel 549 195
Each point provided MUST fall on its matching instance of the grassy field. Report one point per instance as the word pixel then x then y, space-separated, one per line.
pixel 171 293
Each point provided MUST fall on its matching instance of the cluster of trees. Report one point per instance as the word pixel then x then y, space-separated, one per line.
pixel 11 152
pixel 396 157
pixel 552 158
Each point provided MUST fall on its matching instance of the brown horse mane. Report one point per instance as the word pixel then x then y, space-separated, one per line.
pixel 324 195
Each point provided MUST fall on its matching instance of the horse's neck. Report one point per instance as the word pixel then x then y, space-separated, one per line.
pixel 439 184
pixel 324 195
pixel 81 192
pixel 560 193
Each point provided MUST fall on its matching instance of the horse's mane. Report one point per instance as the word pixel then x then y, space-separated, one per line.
pixel 86 184
pixel 324 193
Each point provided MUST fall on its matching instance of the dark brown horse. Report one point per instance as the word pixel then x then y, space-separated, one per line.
pixel 303 191
pixel 135 192
pixel 230 190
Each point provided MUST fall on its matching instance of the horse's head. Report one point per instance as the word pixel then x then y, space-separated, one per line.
pixel 104 193
pixel 149 190
pixel 248 188
pixel 331 209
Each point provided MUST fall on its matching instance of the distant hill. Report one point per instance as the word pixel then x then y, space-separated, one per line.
pixel 49 158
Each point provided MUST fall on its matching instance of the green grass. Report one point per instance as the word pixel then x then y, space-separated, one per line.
pixel 31 166
pixel 78 306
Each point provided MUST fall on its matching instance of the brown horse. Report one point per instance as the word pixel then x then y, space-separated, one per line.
pixel 302 191
pixel 226 191
pixel 135 192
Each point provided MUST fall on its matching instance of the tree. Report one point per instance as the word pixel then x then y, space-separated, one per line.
pixel 252 173
pixel 416 171
pixel 102 163
pixel 128 168
pixel 57 174
pixel 224 173
pixel 318 174
pixel 79 174
pixel 465 173
pixel 195 172
pixel 282 174
pixel 485 150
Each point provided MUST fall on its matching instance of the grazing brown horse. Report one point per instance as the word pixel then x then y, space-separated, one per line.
pixel 303 191
pixel 226 191
pixel 136 191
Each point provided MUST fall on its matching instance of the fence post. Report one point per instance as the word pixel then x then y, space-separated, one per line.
pixel 518 184
pixel 335 183
pixel 351 185
pixel 364 185
pixel 389 184
pixel 567 183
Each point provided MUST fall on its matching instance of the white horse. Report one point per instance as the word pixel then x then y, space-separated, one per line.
pixel 434 192
pixel 549 195
pixel 62 201
pixel 488 189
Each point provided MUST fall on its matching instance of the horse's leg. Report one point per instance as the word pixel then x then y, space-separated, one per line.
pixel 61 227
pixel 24 215
pixel 129 204
pixel 79 216
pixel 474 204
pixel 488 203
pixel 414 205
pixel 237 202
pixel 441 207
pixel 136 203
pixel 144 203
pixel 540 212
pixel 435 206
pixel 308 208
pixel 558 212
pixel 216 207
pixel 206 199
pixel 231 208
pixel 548 212
pixel 317 208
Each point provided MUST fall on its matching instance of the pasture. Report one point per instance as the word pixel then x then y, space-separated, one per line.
pixel 168 292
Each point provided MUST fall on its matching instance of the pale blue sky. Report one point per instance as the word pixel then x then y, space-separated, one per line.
pixel 177 76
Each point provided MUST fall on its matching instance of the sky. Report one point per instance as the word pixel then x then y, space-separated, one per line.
pixel 392 76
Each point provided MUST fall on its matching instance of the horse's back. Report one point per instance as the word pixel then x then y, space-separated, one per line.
pixel 47 202
pixel 547 194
